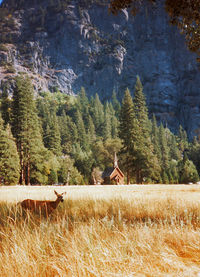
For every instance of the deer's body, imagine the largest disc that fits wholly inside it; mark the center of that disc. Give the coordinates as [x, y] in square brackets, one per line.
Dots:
[44, 206]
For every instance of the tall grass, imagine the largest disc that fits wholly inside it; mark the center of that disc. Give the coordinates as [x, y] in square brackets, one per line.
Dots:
[146, 236]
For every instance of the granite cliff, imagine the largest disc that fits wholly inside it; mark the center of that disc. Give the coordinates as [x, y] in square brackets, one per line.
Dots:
[66, 44]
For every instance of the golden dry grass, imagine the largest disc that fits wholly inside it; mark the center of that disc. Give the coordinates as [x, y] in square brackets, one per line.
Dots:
[102, 231]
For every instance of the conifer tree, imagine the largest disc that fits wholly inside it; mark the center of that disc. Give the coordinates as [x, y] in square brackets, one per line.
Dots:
[26, 129]
[187, 171]
[114, 121]
[115, 103]
[82, 137]
[126, 126]
[82, 100]
[54, 139]
[91, 131]
[68, 132]
[183, 140]
[145, 163]
[83, 106]
[98, 115]
[9, 158]
[155, 138]
[194, 153]
[5, 106]
[174, 151]
[164, 154]
[48, 107]
[107, 122]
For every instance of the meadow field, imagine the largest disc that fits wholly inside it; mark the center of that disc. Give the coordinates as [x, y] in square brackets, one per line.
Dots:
[104, 231]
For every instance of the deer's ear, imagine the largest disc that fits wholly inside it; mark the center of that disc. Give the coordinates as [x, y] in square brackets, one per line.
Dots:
[56, 192]
[64, 193]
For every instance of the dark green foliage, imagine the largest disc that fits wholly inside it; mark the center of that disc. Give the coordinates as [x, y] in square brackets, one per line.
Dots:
[134, 130]
[5, 106]
[187, 171]
[48, 107]
[126, 133]
[103, 152]
[107, 127]
[26, 129]
[164, 148]
[91, 131]
[145, 163]
[98, 115]
[68, 132]
[82, 138]
[116, 104]
[69, 137]
[194, 153]
[182, 139]
[9, 158]
[155, 138]
[52, 177]
[68, 174]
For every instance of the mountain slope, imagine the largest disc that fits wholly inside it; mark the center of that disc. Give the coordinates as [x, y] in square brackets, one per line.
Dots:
[65, 44]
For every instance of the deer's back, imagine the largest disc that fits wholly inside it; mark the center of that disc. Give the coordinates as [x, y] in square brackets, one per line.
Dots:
[37, 205]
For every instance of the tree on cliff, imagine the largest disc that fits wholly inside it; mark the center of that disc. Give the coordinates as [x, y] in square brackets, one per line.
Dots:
[183, 13]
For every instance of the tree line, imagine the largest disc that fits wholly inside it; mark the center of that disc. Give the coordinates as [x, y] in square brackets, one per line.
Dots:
[50, 138]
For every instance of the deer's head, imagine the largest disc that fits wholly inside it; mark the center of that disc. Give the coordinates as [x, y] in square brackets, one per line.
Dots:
[60, 196]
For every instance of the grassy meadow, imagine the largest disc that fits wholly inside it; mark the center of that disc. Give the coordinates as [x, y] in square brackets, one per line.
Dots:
[137, 230]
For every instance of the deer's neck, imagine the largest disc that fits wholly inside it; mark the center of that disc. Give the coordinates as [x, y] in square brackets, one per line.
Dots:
[56, 202]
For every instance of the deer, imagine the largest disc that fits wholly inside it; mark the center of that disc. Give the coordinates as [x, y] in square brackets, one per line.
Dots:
[45, 206]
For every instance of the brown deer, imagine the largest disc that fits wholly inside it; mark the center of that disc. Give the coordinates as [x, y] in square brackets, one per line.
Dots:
[42, 206]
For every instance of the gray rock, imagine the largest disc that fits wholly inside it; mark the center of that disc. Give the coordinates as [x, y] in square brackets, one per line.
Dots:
[84, 46]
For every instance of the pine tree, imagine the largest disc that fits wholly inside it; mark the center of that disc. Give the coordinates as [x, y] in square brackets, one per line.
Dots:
[26, 129]
[107, 122]
[145, 163]
[83, 106]
[54, 139]
[194, 153]
[82, 137]
[183, 140]
[9, 158]
[82, 100]
[173, 172]
[98, 115]
[174, 151]
[48, 106]
[187, 171]
[164, 153]
[68, 132]
[115, 103]
[126, 126]
[114, 122]
[91, 134]
[155, 138]
[6, 106]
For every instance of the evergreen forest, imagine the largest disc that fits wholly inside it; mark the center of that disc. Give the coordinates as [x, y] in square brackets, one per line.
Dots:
[53, 138]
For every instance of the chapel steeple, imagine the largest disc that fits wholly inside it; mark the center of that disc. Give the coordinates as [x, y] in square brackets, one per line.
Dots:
[115, 161]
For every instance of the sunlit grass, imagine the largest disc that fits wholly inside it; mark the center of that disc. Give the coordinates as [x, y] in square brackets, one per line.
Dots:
[146, 232]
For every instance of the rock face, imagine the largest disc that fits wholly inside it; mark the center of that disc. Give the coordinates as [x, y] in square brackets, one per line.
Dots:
[82, 45]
